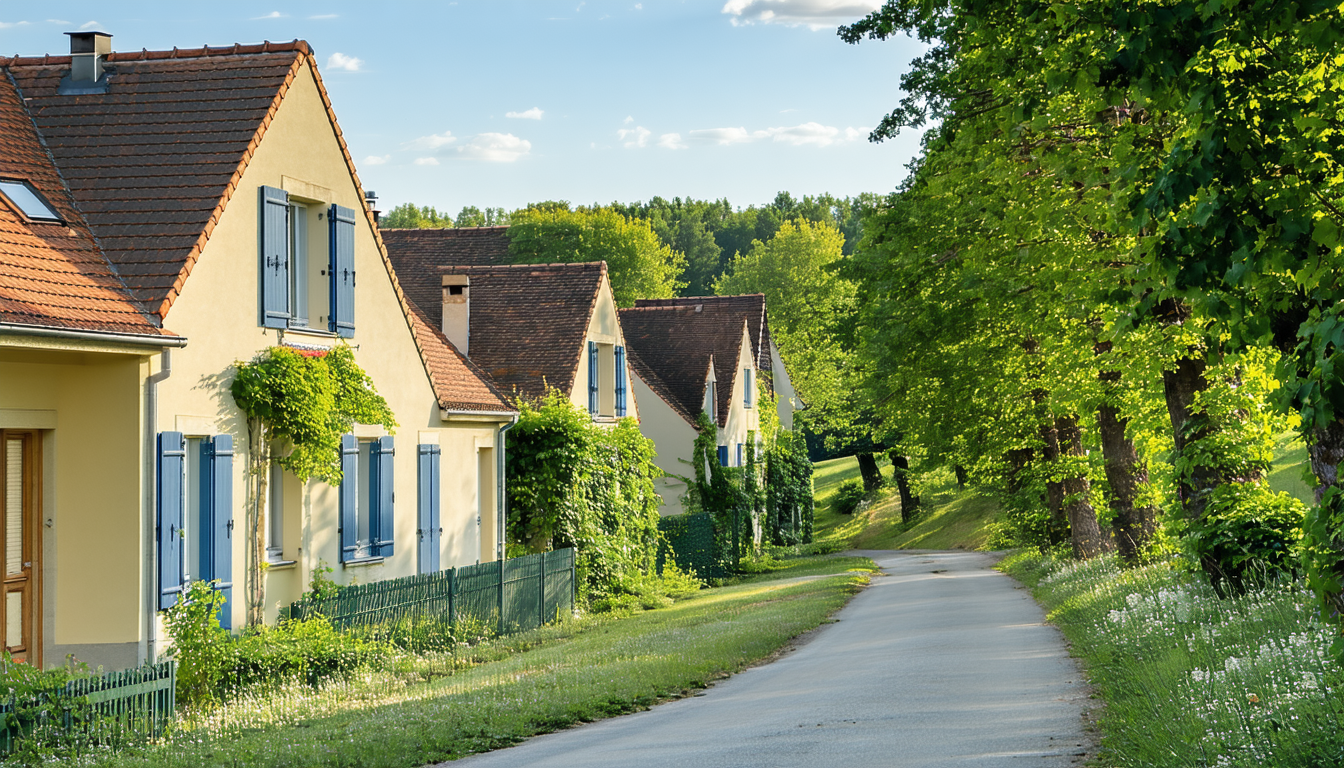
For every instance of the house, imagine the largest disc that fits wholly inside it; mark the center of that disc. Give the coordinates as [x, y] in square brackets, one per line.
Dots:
[751, 307]
[690, 359]
[530, 327]
[208, 191]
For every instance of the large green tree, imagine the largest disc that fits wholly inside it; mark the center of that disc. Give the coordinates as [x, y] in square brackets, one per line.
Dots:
[640, 265]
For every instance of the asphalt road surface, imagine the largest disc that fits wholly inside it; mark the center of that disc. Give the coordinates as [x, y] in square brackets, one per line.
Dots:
[941, 663]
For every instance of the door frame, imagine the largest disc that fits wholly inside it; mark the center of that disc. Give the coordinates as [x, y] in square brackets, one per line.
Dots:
[32, 538]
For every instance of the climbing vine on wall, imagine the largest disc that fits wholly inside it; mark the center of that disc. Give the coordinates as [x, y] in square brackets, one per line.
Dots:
[297, 406]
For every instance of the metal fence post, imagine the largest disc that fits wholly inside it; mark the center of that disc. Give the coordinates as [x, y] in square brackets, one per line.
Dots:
[501, 595]
[541, 595]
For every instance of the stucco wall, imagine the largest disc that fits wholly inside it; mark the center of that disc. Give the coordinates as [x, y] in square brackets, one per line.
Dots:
[786, 401]
[217, 310]
[604, 328]
[741, 419]
[673, 439]
[87, 406]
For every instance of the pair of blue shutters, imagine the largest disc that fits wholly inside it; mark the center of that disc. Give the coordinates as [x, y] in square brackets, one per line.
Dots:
[620, 382]
[381, 499]
[592, 377]
[276, 311]
[428, 531]
[723, 455]
[214, 528]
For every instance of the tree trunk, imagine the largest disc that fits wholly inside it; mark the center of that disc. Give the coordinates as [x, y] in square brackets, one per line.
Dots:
[259, 462]
[901, 470]
[1180, 386]
[1127, 473]
[1054, 489]
[872, 476]
[1018, 460]
[1327, 452]
[1088, 540]
[960, 472]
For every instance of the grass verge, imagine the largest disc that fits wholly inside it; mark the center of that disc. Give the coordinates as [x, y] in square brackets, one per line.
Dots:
[1189, 679]
[542, 681]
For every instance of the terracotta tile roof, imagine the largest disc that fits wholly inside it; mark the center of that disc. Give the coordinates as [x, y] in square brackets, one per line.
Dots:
[460, 246]
[53, 274]
[528, 321]
[750, 305]
[671, 347]
[153, 162]
[458, 383]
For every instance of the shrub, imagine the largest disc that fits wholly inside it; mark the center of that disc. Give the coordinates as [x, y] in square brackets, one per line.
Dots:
[847, 497]
[1248, 534]
[47, 722]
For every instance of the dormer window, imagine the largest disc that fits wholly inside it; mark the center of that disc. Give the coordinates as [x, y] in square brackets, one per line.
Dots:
[28, 201]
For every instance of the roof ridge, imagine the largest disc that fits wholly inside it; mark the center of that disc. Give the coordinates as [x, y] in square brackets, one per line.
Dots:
[144, 54]
[601, 266]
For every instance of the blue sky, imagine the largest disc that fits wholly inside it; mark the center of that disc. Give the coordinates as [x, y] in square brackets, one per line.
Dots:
[505, 103]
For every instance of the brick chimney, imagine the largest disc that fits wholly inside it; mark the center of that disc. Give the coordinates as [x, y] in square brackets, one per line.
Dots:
[457, 311]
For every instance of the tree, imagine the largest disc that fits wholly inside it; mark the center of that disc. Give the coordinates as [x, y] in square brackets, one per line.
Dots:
[411, 216]
[640, 266]
[471, 216]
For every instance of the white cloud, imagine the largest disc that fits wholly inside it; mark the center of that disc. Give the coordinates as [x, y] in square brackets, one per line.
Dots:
[88, 25]
[426, 161]
[807, 133]
[324, 16]
[341, 61]
[496, 147]
[62, 22]
[271, 15]
[671, 141]
[377, 159]
[814, 14]
[854, 134]
[8, 24]
[634, 137]
[727, 135]
[628, 119]
[534, 113]
[433, 142]
[639, 6]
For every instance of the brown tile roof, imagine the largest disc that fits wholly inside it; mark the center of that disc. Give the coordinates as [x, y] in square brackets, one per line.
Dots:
[153, 162]
[670, 347]
[750, 305]
[460, 246]
[528, 321]
[53, 274]
[458, 383]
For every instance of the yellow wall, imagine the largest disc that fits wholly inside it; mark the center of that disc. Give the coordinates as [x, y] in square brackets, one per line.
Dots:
[741, 419]
[217, 310]
[88, 402]
[673, 439]
[786, 397]
[604, 328]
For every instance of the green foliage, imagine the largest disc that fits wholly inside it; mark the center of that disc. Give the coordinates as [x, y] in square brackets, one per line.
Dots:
[214, 666]
[788, 487]
[320, 585]
[577, 484]
[307, 402]
[847, 497]
[1249, 534]
[639, 265]
[411, 216]
[47, 724]
[471, 216]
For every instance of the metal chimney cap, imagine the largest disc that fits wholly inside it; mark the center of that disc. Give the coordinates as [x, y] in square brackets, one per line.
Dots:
[90, 42]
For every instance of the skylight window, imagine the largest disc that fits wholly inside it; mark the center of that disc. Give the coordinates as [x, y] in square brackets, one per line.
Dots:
[22, 195]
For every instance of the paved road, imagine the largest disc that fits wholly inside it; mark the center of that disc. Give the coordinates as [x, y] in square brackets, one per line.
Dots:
[942, 663]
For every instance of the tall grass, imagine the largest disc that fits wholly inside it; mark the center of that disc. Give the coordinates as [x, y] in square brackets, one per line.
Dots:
[1190, 679]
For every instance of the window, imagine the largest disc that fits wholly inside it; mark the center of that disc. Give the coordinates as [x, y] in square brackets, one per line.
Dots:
[275, 519]
[620, 382]
[747, 381]
[297, 288]
[711, 402]
[195, 515]
[367, 498]
[723, 455]
[28, 200]
[740, 457]
[428, 532]
[593, 391]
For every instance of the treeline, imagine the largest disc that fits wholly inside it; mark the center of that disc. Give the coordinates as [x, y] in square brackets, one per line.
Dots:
[1115, 272]
[703, 236]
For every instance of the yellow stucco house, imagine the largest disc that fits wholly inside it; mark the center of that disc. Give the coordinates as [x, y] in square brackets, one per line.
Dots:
[530, 327]
[207, 191]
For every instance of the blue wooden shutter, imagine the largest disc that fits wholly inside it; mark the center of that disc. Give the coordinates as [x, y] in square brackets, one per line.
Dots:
[349, 497]
[746, 386]
[342, 271]
[592, 377]
[723, 455]
[620, 381]
[274, 220]
[739, 454]
[383, 495]
[172, 457]
[427, 508]
[221, 523]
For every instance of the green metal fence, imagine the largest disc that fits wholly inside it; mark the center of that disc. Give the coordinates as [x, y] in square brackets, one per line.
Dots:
[111, 709]
[524, 594]
[689, 542]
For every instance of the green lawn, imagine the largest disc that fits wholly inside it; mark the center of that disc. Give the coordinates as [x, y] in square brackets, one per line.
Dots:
[578, 671]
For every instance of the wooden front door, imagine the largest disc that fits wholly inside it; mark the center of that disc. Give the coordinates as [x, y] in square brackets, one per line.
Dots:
[19, 558]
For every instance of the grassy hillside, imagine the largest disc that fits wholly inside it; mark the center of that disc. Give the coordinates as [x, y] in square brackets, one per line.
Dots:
[959, 520]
